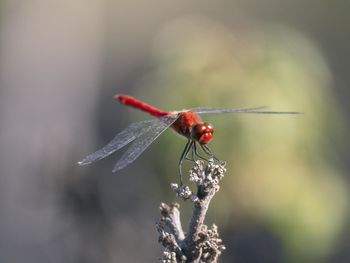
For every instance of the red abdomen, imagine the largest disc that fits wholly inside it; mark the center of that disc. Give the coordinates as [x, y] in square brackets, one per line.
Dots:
[131, 101]
[182, 125]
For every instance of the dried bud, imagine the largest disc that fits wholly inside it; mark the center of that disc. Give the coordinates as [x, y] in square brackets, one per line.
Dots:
[169, 257]
[182, 191]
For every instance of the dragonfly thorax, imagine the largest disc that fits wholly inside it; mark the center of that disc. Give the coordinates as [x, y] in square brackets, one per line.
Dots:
[202, 132]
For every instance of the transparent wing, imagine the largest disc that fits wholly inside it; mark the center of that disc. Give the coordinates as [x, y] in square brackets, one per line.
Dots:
[129, 134]
[257, 110]
[144, 141]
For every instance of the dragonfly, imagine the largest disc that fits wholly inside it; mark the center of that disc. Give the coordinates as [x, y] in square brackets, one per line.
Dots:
[187, 123]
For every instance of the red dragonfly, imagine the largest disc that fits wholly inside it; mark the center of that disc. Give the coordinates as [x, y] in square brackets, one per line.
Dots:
[185, 122]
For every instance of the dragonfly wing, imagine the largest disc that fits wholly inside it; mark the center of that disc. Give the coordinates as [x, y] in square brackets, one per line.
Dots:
[257, 110]
[129, 134]
[141, 144]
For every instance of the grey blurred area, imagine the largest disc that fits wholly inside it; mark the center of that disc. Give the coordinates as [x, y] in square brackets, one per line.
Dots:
[61, 62]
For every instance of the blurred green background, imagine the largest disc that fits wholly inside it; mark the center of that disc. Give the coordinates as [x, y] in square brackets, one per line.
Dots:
[285, 197]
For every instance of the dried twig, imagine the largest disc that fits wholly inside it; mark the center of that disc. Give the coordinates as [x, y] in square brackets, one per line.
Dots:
[200, 243]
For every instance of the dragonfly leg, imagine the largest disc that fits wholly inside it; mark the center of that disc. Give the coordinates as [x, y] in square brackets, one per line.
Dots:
[192, 154]
[183, 155]
[207, 150]
[197, 154]
[193, 147]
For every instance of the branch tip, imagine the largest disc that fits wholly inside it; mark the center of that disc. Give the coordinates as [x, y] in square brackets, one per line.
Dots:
[201, 243]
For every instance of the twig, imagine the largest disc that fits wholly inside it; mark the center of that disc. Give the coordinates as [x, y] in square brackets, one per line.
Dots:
[200, 243]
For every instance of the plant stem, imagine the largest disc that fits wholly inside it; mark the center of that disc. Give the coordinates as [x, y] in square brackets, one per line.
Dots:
[200, 243]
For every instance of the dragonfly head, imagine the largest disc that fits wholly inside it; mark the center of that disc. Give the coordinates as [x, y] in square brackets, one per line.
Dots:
[202, 132]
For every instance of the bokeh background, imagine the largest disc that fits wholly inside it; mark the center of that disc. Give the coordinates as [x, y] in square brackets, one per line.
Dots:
[286, 194]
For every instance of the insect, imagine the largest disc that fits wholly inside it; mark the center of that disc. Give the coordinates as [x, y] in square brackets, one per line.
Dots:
[185, 122]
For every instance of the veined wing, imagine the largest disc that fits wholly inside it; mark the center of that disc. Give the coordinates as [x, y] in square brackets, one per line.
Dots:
[141, 144]
[129, 134]
[257, 110]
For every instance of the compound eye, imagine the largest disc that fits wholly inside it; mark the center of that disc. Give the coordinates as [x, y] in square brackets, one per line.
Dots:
[198, 131]
[202, 132]
[200, 128]
[209, 127]
[205, 138]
